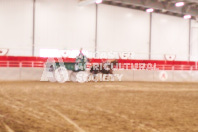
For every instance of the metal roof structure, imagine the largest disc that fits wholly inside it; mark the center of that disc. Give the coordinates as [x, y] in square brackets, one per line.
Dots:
[160, 6]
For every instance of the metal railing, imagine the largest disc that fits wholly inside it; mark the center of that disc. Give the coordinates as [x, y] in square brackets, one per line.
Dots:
[41, 64]
[22, 64]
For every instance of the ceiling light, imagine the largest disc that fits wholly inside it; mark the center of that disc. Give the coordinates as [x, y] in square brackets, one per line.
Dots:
[187, 16]
[179, 4]
[150, 10]
[98, 1]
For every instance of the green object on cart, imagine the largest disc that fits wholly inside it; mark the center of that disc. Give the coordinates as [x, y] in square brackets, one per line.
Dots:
[79, 65]
[68, 65]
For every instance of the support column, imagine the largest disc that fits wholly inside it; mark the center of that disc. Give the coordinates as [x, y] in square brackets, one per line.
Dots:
[150, 36]
[96, 31]
[189, 48]
[33, 29]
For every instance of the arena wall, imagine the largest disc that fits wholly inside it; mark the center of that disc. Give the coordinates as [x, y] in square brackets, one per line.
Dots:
[16, 26]
[38, 74]
[170, 35]
[122, 29]
[154, 76]
[63, 24]
[194, 41]
[32, 68]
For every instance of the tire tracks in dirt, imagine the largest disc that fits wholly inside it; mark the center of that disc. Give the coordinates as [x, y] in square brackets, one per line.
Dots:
[70, 106]
[140, 125]
[67, 119]
[29, 111]
[8, 129]
[37, 115]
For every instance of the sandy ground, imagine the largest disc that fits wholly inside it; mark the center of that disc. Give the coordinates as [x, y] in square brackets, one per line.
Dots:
[98, 107]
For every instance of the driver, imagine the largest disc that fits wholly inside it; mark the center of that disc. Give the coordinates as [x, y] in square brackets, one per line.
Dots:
[81, 61]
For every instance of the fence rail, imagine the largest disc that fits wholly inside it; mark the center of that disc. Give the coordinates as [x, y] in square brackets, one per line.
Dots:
[22, 64]
[41, 64]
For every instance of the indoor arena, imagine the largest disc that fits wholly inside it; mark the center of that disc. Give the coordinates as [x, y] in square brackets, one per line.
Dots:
[98, 65]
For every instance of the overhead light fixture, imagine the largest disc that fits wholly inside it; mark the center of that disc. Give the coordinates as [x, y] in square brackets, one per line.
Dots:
[150, 10]
[179, 4]
[98, 1]
[187, 16]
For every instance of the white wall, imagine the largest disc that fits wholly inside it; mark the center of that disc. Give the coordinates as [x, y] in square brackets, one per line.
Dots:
[194, 41]
[170, 35]
[62, 24]
[16, 26]
[122, 29]
[37, 74]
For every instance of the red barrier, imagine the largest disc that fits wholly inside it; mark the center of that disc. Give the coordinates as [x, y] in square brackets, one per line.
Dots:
[24, 61]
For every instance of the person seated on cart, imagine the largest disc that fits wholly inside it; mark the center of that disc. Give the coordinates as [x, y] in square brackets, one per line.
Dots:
[81, 61]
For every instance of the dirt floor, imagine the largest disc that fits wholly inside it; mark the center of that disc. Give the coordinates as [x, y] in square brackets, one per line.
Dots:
[98, 107]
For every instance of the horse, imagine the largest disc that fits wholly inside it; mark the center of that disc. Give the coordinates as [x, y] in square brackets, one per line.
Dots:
[103, 68]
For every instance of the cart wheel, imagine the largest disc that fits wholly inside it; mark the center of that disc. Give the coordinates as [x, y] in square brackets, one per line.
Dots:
[51, 76]
[61, 74]
[82, 77]
[73, 77]
[50, 72]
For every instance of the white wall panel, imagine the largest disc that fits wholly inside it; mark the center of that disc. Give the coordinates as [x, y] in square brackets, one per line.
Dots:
[194, 41]
[170, 35]
[37, 74]
[10, 74]
[122, 29]
[62, 24]
[16, 26]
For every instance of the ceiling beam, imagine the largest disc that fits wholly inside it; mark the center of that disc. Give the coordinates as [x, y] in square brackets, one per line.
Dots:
[163, 6]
